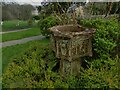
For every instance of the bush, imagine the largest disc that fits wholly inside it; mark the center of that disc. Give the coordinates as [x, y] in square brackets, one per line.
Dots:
[36, 17]
[30, 22]
[101, 74]
[29, 68]
[106, 37]
[34, 69]
[47, 23]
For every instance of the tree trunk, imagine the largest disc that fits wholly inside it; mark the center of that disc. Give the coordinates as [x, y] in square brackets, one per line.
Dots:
[109, 7]
[119, 14]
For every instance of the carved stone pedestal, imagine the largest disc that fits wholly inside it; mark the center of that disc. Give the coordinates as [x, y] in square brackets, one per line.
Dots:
[69, 68]
[70, 42]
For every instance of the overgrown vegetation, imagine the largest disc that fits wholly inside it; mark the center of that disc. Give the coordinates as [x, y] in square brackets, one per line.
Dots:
[8, 53]
[36, 17]
[46, 23]
[105, 41]
[35, 68]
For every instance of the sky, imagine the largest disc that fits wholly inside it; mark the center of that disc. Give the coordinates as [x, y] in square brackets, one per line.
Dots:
[38, 2]
[33, 2]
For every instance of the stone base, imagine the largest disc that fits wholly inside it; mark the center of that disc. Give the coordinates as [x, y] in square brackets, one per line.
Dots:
[70, 68]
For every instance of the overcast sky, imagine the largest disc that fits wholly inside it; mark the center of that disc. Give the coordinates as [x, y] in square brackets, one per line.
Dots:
[38, 2]
[33, 2]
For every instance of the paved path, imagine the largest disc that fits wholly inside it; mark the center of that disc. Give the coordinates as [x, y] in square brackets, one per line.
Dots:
[15, 31]
[24, 40]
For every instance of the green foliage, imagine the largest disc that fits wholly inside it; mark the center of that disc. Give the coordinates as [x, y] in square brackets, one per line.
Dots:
[34, 69]
[29, 68]
[36, 17]
[42, 16]
[7, 55]
[30, 22]
[106, 36]
[106, 76]
[46, 23]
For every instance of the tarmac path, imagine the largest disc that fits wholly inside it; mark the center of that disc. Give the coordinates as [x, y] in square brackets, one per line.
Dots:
[15, 31]
[21, 41]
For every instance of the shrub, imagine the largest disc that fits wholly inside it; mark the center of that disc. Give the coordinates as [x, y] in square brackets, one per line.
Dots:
[28, 68]
[36, 17]
[34, 69]
[101, 74]
[30, 22]
[106, 37]
[47, 23]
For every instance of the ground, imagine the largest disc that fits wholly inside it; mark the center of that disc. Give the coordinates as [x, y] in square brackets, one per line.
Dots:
[100, 72]
[12, 51]
[20, 33]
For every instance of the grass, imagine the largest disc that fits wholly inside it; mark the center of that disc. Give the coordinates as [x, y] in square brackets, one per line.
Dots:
[20, 35]
[10, 52]
[12, 25]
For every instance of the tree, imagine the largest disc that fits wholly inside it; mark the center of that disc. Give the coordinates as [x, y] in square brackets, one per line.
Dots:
[39, 8]
[12, 11]
[109, 7]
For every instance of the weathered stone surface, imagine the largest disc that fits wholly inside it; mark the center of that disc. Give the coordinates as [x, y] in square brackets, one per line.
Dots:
[70, 42]
[67, 68]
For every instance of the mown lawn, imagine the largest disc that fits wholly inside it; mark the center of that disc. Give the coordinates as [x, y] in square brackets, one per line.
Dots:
[20, 35]
[10, 52]
[13, 25]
